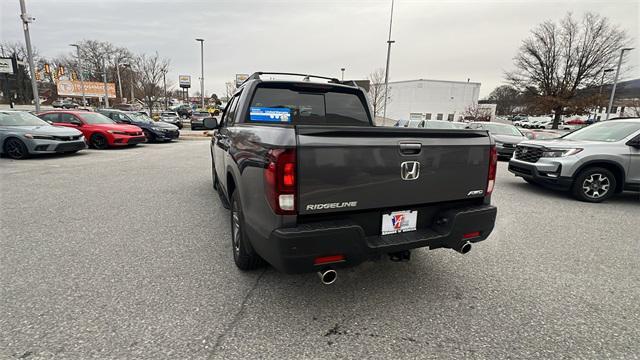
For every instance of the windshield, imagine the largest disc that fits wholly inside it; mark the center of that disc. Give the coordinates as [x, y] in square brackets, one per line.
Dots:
[168, 114]
[95, 118]
[439, 125]
[605, 131]
[20, 118]
[141, 118]
[317, 106]
[498, 129]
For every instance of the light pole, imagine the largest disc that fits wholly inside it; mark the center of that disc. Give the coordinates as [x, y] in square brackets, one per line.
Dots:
[615, 81]
[118, 75]
[26, 19]
[84, 99]
[126, 65]
[600, 91]
[386, 72]
[104, 80]
[164, 83]
[342, 69]
[201, 71]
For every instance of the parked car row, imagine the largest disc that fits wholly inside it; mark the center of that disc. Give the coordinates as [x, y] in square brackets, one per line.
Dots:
[68, 131]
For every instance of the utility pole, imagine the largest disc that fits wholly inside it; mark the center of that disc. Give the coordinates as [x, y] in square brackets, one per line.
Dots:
[615, 81]
[201, 71]
[26, 19]
[342, 69]
[79, 70]
[104, 79]
[600, 92]
[386, 72]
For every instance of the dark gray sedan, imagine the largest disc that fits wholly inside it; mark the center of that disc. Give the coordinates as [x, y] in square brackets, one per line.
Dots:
[506, 136]
[22, 134]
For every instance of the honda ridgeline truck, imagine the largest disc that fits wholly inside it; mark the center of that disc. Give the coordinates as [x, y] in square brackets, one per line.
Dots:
[314, 185]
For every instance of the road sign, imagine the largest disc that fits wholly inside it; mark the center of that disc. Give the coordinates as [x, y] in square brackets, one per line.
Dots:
[6, 66]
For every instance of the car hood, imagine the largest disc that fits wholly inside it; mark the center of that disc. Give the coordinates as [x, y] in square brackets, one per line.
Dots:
[563, 143]
[509, 139]
[118, 127]
[43, 130]
[164, 125]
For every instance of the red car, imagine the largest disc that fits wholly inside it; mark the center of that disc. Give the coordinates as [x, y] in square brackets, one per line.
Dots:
[99, 131]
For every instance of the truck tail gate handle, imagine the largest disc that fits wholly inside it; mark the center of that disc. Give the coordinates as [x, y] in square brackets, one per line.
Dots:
[410, 148]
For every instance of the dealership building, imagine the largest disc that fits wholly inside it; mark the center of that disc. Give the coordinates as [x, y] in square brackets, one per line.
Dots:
[431, 99]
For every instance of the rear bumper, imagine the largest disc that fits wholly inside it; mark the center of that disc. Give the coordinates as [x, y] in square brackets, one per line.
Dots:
[293, 250]
[543, 173]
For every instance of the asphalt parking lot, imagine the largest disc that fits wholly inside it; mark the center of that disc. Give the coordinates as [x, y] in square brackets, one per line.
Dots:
[125, 254]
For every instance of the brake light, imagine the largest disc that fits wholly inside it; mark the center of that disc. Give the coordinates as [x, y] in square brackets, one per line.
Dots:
[471, 235]
[493, 167]
[322, 260]
[280, 181]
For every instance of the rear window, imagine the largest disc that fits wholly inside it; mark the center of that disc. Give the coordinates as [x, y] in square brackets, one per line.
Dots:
[307, 107]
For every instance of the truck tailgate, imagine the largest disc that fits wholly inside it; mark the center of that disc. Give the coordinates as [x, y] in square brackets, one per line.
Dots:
[354, 168]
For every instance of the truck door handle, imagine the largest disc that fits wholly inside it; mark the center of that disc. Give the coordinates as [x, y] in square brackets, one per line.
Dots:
[410, 148]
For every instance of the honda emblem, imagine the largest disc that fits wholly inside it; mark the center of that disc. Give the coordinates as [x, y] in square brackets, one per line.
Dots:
[410, 170]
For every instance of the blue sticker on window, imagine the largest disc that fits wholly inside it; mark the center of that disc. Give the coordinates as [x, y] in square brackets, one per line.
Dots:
[266, 114]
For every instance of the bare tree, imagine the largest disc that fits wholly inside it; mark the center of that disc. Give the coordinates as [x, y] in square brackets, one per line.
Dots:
[476, 112]
[506, 98]
[229, 89]
[150, 69]
[560, 58]
[377, 91]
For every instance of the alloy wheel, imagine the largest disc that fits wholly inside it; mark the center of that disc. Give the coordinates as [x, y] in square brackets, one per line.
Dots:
[596, 185]
[15, 149]
[235, 231]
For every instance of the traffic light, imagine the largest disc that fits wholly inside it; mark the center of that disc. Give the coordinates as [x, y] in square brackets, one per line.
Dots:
[60, 70]
[74, 76]
[46, 69]
[38, 75]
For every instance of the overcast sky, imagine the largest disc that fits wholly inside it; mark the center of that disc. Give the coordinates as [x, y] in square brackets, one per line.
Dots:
[446, 40]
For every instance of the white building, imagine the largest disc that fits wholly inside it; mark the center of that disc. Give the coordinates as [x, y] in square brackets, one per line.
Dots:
[431, 99]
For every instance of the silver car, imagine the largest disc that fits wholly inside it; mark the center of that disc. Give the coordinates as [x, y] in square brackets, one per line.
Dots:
[593, 163]
[22, 134]
[506, 136]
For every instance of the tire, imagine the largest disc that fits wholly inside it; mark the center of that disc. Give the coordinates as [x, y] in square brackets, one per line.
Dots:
[150, 137]
[594, 185]
[99, 141]
[243, 254]
[15, 149]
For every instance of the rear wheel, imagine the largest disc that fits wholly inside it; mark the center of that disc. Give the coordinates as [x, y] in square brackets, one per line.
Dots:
[99, 142]
[149, 136]
[15, 149]
[594, 185]
[243, 254]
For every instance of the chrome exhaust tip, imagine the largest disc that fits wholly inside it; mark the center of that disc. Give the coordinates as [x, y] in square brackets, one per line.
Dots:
[464, 248]
[328, 276]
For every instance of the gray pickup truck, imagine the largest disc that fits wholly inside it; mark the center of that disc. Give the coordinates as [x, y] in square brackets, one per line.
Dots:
[313, 185]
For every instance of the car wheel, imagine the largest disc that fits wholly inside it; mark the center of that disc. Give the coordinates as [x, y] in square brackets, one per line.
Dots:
[243, 254]
[150, 137]
[99, 142]
[15, 149]
[594, 185]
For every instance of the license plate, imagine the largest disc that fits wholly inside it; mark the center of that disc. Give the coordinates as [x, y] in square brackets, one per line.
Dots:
[399, 221]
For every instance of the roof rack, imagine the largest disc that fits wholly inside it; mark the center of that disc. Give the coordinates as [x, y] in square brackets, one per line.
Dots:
[306, 77]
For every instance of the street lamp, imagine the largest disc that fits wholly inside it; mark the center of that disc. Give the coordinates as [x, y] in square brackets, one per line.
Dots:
[26, 19]
[386, 72]
[164, 83]
[600, 91]
[104, 80]
[342, 69]
[126, 65]
[79, 70]
[615, 82]
[201, 71]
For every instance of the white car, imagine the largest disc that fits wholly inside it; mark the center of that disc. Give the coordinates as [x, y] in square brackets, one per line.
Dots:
[545, 124]
[521, 123]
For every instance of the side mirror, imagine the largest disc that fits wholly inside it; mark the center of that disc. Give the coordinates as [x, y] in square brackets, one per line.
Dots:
[210, 123]
[635, 142]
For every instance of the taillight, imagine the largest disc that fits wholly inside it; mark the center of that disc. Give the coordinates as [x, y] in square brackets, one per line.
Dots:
[280, 181]
[493, 166]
